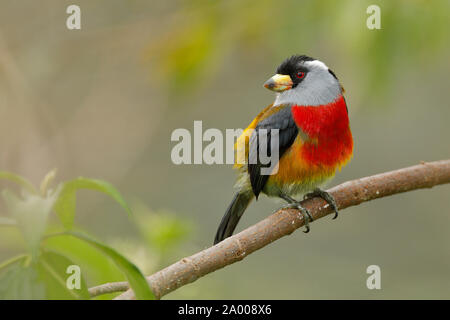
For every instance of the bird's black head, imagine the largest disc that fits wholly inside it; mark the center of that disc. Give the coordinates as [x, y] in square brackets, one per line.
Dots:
[293, 67]
[292, 63]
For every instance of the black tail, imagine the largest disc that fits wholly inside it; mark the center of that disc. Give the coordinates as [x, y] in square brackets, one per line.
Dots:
[232, 215]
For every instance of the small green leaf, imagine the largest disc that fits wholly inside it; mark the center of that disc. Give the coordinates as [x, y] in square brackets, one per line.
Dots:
[52, 269]
[18, 280]
[134, 276]
[31, 214]
[66, 204]
[19, 180]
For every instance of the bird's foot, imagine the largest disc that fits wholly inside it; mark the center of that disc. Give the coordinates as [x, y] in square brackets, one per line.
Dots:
[325, 196]
[305, 213]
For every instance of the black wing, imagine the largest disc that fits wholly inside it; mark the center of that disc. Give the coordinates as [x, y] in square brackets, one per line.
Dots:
[284, 122]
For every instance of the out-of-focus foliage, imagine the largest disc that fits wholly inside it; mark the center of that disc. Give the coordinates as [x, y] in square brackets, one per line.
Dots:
[201, 34]
[98, 102]
[162, 230]
[133, 274]
[65, 205]
[161, 238]
[42, 272]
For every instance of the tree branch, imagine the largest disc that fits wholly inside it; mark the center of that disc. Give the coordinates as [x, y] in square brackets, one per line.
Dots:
[108, 288]
[284, 222]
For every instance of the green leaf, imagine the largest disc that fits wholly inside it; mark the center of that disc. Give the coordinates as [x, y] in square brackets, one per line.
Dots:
[19, 180]
[31, 214]
[66, 204]
[44, 278]
[96, 267]
[134, 276]
[18, 280]
[53, 270]
[6, 264]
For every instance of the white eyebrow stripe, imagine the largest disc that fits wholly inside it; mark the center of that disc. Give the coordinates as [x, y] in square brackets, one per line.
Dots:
[316, 63]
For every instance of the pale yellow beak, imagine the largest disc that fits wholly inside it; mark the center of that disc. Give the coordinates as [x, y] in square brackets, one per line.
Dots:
[279, 83]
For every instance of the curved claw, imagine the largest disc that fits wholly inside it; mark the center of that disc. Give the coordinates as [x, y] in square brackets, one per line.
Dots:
[305, 213]
[325, 196]
[306, 216]
[307, 229]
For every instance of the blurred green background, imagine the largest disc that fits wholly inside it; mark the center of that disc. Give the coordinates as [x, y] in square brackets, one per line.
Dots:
[103, 101]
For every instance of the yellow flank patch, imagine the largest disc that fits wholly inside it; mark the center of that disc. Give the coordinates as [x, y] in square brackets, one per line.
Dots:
[241, 146]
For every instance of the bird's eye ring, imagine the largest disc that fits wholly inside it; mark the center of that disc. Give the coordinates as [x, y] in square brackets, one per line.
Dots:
[300, 75]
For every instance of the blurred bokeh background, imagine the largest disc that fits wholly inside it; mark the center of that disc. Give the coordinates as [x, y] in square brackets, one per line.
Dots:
[102, 102]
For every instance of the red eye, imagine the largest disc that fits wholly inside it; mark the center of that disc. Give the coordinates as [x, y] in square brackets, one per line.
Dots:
[300, 75]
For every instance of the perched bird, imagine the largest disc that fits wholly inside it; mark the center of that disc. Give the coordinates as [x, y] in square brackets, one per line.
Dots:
[314, 139]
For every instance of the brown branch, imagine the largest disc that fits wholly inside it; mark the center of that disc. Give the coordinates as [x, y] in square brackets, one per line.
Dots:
[108, 288]
[286, 221]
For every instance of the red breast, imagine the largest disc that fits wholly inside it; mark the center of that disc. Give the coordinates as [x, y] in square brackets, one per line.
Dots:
[327, 126]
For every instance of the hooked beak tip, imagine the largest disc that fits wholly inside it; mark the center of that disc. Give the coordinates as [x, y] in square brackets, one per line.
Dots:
[269, 84]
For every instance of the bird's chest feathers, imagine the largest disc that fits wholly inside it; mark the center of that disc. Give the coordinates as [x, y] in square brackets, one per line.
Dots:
[325, 137]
